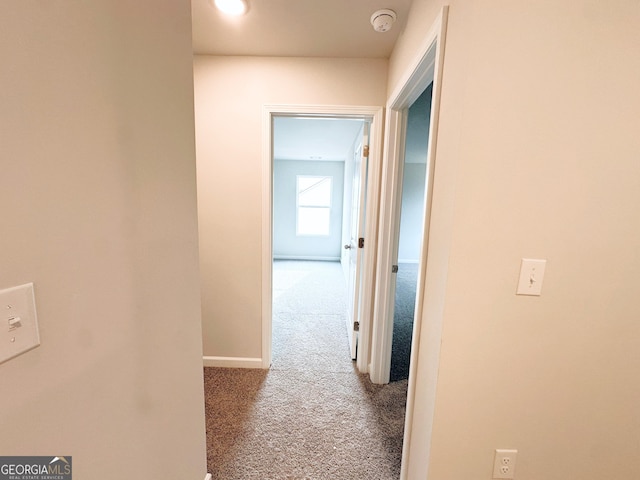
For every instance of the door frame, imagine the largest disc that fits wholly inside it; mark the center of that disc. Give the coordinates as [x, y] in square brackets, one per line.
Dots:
[375, 116]
[426, 70]
[426, 67]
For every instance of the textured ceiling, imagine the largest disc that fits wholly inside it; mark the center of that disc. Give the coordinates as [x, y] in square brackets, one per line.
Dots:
[297, 28]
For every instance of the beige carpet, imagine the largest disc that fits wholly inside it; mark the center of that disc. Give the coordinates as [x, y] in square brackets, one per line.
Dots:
[311, 416]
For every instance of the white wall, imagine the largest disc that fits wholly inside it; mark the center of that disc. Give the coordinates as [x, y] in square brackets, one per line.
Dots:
[537, 157]
[229, 94]
[99, 211]
[286, 243]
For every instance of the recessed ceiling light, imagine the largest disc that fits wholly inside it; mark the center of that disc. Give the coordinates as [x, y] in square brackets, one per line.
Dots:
[231, 7]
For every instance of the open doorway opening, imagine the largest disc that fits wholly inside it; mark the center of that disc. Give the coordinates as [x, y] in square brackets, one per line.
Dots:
[314, 210]
[317, 180]
[410, 232]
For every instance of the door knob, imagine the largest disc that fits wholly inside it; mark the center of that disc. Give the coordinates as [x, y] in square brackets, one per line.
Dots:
[347, 247]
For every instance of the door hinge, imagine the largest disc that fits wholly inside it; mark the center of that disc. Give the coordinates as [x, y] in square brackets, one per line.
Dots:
[365, 151]
[394, 268]
[361, 242]
[356, 326]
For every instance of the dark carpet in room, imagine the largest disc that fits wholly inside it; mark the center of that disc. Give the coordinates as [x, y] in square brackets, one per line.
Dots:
[311, 416]
[405, 302]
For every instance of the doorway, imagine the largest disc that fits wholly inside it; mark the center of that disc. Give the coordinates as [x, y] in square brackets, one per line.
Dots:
[317, 181]
[318, 211]
[425, 348]
[412, 191]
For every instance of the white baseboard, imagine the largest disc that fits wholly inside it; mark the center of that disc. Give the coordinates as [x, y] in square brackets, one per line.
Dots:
[306, 257]
[232, 362]
[401, 260]
[207, 476]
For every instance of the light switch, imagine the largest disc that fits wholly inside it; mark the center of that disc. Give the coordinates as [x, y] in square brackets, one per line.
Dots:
[14, 322]
[18, 321]
[531, 275]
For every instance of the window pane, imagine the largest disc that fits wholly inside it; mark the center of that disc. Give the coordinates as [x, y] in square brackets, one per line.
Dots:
[313, 221]
[314, 191]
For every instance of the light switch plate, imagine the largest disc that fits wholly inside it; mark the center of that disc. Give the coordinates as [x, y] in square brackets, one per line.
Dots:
[531, 275]
[18, 321]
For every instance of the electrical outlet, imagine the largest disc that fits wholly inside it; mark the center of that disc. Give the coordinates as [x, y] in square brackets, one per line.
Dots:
[504, 464]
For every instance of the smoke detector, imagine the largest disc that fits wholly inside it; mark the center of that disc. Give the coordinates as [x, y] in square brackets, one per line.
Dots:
[382, 20]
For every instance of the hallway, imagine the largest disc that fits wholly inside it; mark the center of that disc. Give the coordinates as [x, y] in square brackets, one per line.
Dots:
[311, 416]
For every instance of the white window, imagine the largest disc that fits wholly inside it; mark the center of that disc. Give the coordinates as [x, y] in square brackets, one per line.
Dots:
[314, 205]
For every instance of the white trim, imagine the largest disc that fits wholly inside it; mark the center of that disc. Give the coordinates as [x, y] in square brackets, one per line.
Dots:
[306, 257]
[208, 476]
[427, 65]
[267, 233]
[371, 241]
[390, 202]
[232, 362]
[437, 37]
[416, 73]
[425, 69]
[375, 115]
[402, 260]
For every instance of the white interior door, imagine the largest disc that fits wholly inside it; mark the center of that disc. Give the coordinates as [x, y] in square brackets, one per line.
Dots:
[355, 247]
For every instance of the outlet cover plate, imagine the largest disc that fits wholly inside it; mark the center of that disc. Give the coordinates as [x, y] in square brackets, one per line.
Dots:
[504, 465]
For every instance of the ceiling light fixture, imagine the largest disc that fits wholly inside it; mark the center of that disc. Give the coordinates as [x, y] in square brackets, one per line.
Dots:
[382, 20]
[231, 7]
